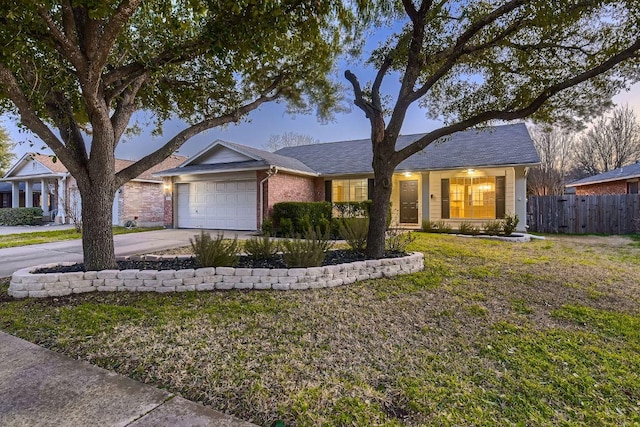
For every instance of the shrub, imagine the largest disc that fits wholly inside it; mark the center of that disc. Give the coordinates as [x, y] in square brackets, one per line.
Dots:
[267, 226]
[216, 252]
[353, 209]
[468, 228]
[428, 226]
[397, 240]
[307, 252]
[20, 216]
[301, 214]
[286, 227]
[492, 228]
[354, 231]
[510, 223]
[261, 248]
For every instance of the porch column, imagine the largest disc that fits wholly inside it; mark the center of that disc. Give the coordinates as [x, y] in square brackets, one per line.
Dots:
[44, 197]
[28, 194]
[61, 201]
[15, 194]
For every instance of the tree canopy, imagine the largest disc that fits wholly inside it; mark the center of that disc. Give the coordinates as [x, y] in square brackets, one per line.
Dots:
[476, 62]
[6, 151]
[83, 67]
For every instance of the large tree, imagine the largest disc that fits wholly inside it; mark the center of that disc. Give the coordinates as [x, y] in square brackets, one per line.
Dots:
[475, 62]
[611, 142]
[6, 151]
[84, 67]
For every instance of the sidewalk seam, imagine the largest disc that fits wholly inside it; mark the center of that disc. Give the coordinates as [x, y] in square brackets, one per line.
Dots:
[170, 397]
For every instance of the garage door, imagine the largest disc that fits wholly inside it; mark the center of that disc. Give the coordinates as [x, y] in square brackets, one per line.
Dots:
[225, 205]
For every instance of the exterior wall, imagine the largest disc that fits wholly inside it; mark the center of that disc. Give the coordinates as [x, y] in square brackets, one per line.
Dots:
[612, 187]
[284, 187]
[520, 197]
[435, 197]
[144, 200]
[168, 203]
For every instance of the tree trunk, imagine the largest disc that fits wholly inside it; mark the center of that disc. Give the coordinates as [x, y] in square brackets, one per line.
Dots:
[97, 234]
[379, 210]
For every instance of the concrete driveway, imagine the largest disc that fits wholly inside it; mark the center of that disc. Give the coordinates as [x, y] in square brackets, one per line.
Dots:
[12, 259]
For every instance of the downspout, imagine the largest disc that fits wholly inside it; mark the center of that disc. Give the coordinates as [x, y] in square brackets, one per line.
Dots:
[273, 170]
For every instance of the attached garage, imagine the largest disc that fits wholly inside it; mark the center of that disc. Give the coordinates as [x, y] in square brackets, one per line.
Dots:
[224, 205]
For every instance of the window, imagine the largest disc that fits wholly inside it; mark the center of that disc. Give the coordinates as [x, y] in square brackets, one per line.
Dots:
[632, 187]
[473, 198]
[349, 190]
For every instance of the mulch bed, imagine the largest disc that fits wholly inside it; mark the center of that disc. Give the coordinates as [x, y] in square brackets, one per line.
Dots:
[178, 263]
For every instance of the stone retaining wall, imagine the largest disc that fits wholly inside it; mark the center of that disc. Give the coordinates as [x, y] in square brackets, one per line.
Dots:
[26, 284]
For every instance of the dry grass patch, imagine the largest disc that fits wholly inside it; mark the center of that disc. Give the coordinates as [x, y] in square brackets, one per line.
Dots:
[490, 333]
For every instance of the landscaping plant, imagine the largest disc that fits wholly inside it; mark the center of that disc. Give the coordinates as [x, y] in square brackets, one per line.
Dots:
[510, 223]
[397, 240]
[468, 228]
[354, 231]
[308, 251]
[261, 248]
[492, 228]
[216, 252]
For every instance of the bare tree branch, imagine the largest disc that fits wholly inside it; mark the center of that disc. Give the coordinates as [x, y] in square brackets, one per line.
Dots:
[125, 109]
[176, 142]
[60, 40]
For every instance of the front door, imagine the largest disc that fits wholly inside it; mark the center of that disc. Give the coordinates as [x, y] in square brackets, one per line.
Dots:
[409, 202]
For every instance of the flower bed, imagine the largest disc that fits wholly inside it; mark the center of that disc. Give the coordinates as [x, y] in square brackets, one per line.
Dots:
[26, 284]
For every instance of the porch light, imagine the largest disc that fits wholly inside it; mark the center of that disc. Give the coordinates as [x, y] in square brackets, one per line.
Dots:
[407, 174]
[167, 187]
[470, 171]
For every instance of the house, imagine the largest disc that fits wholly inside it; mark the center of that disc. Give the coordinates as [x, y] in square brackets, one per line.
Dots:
[618, 181]
[23, 185]
[472, 176]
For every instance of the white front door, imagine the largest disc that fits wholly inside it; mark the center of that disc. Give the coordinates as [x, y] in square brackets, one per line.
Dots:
[224, 205]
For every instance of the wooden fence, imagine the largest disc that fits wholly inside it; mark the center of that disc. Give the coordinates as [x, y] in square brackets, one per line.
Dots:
[610, 214]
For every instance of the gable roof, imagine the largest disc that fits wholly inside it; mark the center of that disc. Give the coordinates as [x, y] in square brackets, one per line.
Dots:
[494, 146]
[625, 172]
[255, 159]
[57, 168]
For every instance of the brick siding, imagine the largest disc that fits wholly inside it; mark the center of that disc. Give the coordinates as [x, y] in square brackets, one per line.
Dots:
[144, 200]
[168, 201]
[284, 187]
[612, 187]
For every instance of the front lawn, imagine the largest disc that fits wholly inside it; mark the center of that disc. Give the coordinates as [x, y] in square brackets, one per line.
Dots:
[491, 333]
[24, 239]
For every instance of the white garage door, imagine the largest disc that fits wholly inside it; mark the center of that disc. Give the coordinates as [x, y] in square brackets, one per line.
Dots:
[224, 205]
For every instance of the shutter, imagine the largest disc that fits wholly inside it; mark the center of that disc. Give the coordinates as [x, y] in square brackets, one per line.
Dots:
[327, 190]
[444, 195]
[500, 196]
[370, 189]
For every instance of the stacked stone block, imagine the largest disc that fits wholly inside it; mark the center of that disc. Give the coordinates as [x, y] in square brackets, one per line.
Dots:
[26, 284]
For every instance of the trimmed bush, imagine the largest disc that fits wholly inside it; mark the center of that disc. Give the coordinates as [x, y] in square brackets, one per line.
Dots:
[353, 209]
[216, 252]
[303, 215]
[20, 216]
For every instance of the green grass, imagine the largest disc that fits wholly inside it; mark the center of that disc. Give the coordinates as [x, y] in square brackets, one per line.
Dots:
[24, 239]
[490, 333]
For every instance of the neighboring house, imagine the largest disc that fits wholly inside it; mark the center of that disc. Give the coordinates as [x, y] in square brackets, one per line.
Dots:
[23, 185]
[618, 181]
[472, 176]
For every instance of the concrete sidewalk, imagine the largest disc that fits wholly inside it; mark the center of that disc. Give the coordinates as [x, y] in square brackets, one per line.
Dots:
[41, 388]
[12, 259]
